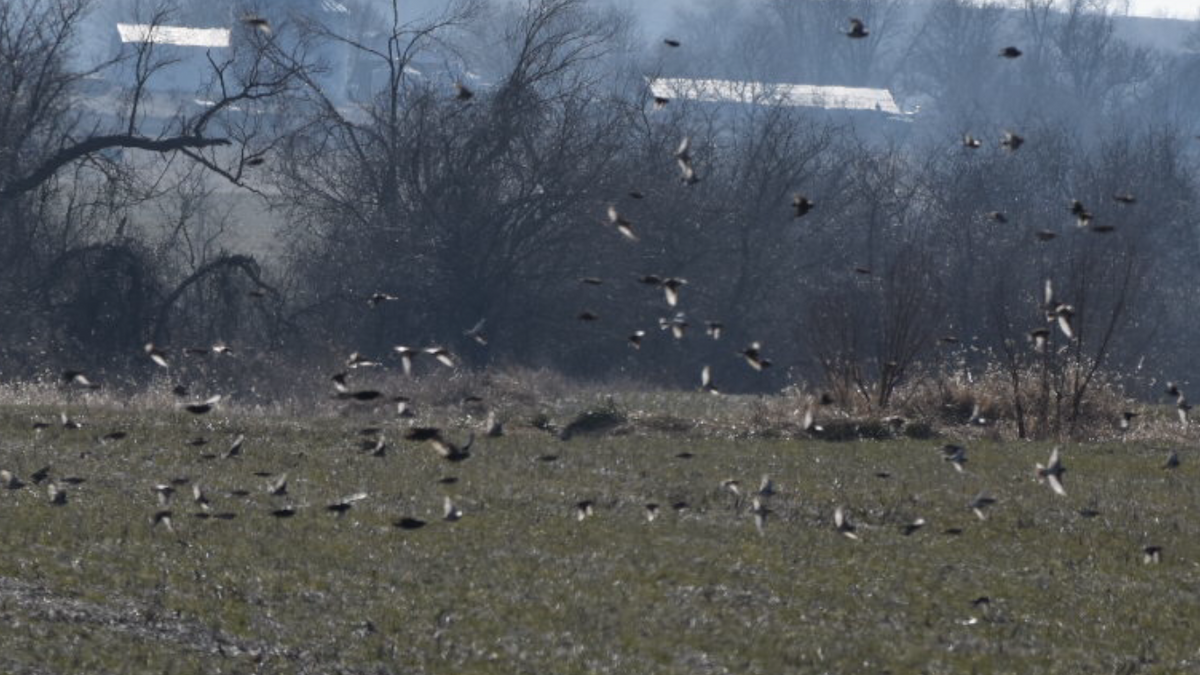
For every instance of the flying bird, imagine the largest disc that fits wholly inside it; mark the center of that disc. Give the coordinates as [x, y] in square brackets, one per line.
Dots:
[203, 407]
[706, 382]
[462, 92]
[377, 299]
[912, 527]
[441, 355]
[78, 379]
[670, 42]
[345, 503]
[1124, 198]
[857, 29]
[677, 325]
[635, 338]
[1053, 473]
[955, 454]
[713, 329]
[842, 524]
[683, 157]
[1172, 460]
[1012, 141]
[623, 225]
[476, 333]
[1011, 52]
[1152, 555]
[981, 502]
[970, 142]
[584, 510]
[760, 513]
[801, 205]
[753, 357]
[450, 511]
[156, 355]
[257, 22]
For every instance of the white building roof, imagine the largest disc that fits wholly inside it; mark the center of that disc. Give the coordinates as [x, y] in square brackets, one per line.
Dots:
[174, 35]
[764, 93]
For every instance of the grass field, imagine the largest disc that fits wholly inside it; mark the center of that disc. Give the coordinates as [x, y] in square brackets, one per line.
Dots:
[520, 585]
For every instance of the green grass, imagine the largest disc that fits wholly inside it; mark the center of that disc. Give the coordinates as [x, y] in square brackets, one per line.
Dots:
[520, 586]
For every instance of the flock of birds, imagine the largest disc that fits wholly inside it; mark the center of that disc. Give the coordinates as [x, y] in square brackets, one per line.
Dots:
[1057, 313]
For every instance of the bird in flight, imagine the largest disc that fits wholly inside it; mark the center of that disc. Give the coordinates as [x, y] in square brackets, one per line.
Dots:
[1053, 473]
[857, 29]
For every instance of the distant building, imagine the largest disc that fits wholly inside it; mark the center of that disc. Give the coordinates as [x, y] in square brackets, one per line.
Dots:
[763, 93]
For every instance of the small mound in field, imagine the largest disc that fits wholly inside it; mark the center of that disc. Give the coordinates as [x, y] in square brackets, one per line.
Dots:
[593, 422]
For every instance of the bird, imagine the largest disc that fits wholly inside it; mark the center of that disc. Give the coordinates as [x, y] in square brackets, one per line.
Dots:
[1053, 473]
[358, 360]
[450, 511]
[623, 225]
[981, 502]
[203, 407]
[222, 349]
[163, 491]
[683, 157]
[637, 194]
[1010, 52]
[40, 475]
[285, 512]
[1045, 235]
[1063, 313]
[476, 333]
[1172, 460]
[857, 29]
[408, 523]
[671, 286]
[199, 497]
[235, 448]
[660, 102]
[842, 523]
[997, 216]
[912, 527]
[766, 487]
[1124, 198]
[651, 512]
[1012, 141]
[345, 503]
[584, 509]
[256, 160]
[1152, 555]
[493, 427]
[1083, 217]
[760, 513]
[955, 454]
[68, 423]
[462, 92]
[591, 281]
[706, 381]
[162, 517]
[588, 315]
[447, 450]
[1126, 421]
[362, 395]
[671, 42]
[257, 22]
[9, 481]
[407, 354]
[635, 338]
[278, 487]
[441, 355]
[970, 142]
[58, 495]
[753, 356]
[713, 329]
[801, 205]
[376, 299]
[156, 355]
[1039, 337]
[78, 379]
[676, 324]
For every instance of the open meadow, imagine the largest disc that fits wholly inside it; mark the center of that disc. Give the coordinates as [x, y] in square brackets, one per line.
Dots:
[525, 582]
